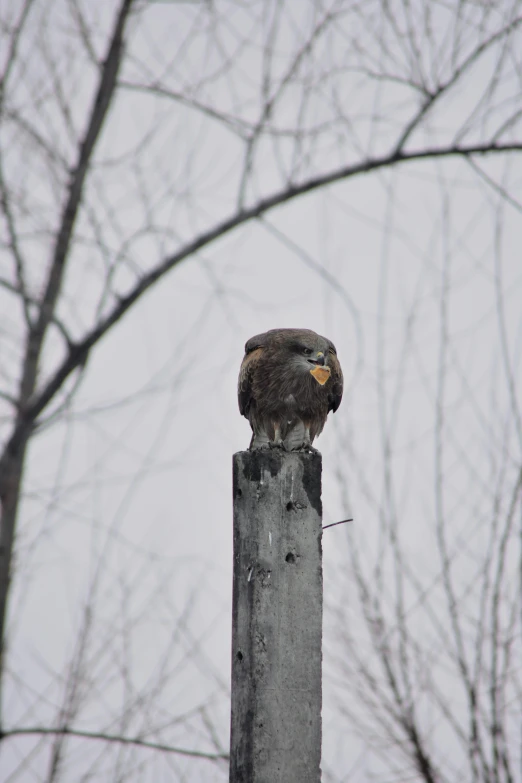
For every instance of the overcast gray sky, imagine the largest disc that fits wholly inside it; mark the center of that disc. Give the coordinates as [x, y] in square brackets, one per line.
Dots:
[414, 271]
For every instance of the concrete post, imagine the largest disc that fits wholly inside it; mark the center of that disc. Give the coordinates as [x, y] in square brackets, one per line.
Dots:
[277, 618]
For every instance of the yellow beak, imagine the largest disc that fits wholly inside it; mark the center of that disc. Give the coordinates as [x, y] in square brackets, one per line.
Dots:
[321, 374]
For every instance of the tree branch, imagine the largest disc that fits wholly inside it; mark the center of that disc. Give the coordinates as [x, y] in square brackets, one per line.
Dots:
[80, 351]
[98, 114]
[98, 735]
[12, 460]
[31, 300]
[14, 246]
[444, 88]
[13, 48]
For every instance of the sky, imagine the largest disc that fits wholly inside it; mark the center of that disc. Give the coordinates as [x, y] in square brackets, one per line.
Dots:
[124, 554]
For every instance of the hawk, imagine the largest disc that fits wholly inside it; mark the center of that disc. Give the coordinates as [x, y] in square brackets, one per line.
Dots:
[290, 379]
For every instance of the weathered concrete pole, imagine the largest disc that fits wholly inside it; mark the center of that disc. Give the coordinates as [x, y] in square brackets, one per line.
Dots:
[276, 618]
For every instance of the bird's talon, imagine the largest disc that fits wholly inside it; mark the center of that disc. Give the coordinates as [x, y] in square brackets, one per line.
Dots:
[307, 448]
[277, 444]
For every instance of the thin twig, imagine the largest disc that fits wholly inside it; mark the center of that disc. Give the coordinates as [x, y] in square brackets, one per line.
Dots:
[333, 524]
[98, 735]
[79, 352]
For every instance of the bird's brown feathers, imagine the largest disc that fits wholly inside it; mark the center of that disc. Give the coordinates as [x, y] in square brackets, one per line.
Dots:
[244, 387]
[288, 382]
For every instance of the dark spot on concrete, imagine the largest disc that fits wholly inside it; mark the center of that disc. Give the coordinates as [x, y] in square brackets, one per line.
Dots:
[240, 656]
[312, 467]
[291, 506]
[236, 492]
[264, 576]
[255, 463]
[290, 558]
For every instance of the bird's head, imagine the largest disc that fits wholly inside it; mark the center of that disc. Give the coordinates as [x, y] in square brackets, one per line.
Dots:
[309, 352]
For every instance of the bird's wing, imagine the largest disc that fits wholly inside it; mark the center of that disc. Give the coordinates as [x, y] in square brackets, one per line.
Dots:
[254, 351]
[258, 341]
[335, 391]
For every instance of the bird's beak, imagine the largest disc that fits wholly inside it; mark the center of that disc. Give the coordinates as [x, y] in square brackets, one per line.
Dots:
[321, 372]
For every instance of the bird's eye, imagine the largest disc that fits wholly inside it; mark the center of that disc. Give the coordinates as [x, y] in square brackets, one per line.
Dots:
[307, 351]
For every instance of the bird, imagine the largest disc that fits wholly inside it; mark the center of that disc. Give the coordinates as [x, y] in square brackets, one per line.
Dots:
[290, 379]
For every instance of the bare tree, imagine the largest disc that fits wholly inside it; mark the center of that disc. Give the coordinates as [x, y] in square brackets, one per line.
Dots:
[427, 617]
[136, 136]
